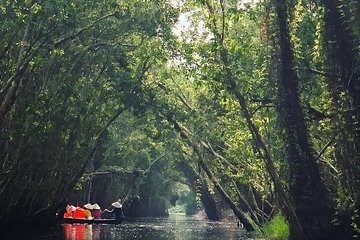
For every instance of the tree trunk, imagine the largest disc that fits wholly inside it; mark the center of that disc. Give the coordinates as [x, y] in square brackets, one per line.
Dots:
[306, 189]
[243, 201]
[210, 207]
[342, 57]
[259, 145]
[246, 221]
[246, 204]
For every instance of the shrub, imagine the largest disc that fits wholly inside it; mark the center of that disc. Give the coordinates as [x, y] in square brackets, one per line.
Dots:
[276, 228]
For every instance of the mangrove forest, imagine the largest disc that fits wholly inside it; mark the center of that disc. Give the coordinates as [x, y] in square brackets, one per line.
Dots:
[234, 109]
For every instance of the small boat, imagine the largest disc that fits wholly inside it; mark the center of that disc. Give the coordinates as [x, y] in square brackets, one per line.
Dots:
[93, 220]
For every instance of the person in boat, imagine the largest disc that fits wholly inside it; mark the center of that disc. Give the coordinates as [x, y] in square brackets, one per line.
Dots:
[70, 209]
[117, 209]
[88, 207]
[79, 213]
[96, 211]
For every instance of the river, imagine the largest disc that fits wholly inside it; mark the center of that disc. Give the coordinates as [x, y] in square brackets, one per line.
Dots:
[175, 227]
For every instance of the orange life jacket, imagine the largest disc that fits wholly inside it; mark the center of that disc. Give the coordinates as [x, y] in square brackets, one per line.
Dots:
[68, 214]
[79, 213]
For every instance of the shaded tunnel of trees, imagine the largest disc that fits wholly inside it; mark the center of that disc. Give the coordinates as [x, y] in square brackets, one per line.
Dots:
[216, 104]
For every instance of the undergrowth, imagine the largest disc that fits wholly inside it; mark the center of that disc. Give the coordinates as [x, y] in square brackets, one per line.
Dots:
[276, 229]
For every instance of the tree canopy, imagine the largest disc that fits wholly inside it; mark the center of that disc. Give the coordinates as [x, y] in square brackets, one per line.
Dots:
[254, 104]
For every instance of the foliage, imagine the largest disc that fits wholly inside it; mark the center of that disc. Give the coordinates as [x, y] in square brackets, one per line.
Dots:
[276, 228]
[66, 72]
[87, 86]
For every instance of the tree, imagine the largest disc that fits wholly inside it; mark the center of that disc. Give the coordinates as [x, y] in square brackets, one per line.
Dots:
[306, 188]
[68, 72]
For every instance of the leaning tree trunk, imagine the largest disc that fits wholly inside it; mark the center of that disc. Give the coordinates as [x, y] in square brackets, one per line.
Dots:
[306, 189]
[209, 203]
[243, 201]
[245, 220]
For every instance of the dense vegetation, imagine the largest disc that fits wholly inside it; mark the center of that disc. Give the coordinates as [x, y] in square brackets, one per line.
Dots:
[254, 105]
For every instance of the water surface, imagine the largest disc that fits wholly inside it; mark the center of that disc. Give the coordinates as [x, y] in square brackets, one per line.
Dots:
[176, 227]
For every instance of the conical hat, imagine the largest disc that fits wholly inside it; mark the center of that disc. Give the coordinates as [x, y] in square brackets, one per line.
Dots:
[72, 208]
[116, 204]
[88, 206]
[96, 206]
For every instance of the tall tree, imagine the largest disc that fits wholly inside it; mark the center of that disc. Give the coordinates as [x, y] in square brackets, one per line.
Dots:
[307, 191]
[342, 57]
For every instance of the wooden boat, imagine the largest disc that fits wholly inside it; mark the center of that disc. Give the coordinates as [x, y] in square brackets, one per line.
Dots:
[92, 221]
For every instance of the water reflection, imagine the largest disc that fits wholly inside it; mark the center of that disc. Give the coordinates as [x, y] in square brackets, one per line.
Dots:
[176, 227]
[81, 231]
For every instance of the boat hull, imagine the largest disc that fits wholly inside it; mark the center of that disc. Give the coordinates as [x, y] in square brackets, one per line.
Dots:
[92, 221]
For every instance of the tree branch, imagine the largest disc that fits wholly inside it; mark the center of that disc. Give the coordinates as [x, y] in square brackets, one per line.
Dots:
[80, 31]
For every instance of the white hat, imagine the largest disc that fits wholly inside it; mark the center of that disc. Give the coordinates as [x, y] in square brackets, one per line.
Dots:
[88, 206]
[116, 204]
[72, 208]
[96, 206]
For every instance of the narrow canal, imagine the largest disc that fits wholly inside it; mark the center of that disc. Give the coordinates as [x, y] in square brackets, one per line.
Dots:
[176, 227]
